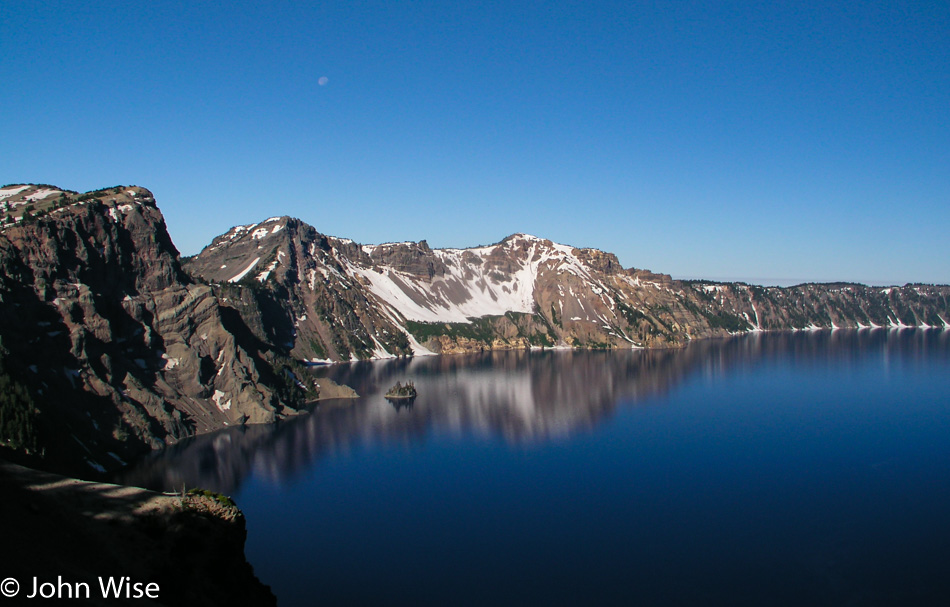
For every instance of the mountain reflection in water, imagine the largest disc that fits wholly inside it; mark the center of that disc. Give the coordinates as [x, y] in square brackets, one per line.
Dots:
[516, 396]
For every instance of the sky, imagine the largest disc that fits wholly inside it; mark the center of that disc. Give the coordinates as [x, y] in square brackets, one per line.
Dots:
[773, 142]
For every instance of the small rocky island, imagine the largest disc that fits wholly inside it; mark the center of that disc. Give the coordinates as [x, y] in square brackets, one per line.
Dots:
[402, 392]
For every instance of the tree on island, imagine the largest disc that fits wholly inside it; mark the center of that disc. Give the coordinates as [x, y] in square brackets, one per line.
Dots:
[401, 391]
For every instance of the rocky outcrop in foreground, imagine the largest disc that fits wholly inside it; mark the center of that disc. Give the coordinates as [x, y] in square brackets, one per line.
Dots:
[190, 547]
[116, 349]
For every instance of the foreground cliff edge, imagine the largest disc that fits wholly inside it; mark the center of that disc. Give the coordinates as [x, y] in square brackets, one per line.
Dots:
[182, 549]
[108, 350]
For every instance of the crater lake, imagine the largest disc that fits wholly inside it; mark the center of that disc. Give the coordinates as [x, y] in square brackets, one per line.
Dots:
[807, 468]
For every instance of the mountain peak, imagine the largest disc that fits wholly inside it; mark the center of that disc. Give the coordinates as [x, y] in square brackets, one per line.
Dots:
[27, 201]
[522, 236]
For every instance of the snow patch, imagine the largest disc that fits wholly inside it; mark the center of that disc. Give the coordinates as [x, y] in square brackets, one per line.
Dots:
[380, 353]
[758, 325]
[41, 194]
[245, 271]
[170, 363]
[218, 395]
[270, 268]
[468, 289]
[12, 191]
[417, 348]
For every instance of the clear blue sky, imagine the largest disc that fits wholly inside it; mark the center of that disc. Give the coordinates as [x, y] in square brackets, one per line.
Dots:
[760, 141]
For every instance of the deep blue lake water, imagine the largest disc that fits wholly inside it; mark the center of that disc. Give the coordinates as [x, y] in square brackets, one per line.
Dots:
[809, 468]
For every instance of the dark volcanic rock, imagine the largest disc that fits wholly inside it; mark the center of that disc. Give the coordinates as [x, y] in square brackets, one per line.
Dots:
[412, 258]
[120, 349]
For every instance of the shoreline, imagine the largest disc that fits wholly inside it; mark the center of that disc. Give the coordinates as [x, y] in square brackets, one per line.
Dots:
[323, 364]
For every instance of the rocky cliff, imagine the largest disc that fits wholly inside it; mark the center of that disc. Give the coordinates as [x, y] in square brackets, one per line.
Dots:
[111, 345]
[332, 299]
[294, 286]
[117, 349]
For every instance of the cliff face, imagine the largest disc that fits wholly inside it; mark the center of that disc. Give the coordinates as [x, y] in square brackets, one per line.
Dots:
[833, 305]
[110, 346]
[119, 348]
[294, 287]
[338, 300]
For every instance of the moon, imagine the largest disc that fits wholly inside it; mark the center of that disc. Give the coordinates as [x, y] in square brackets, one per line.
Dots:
[322, 80]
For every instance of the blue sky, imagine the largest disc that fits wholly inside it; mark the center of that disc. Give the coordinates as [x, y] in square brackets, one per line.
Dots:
[779, 141]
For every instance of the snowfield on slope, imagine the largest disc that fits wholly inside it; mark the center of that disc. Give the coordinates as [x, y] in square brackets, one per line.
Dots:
[471, 287]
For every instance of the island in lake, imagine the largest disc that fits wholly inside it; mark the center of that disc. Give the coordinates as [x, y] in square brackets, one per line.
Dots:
[402, 392]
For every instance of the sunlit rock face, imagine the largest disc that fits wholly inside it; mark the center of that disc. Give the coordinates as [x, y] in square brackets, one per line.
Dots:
[123, 346]
[330, 299]
[119, 348]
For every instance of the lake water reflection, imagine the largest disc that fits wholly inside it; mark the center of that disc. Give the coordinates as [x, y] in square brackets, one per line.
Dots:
[805, 468]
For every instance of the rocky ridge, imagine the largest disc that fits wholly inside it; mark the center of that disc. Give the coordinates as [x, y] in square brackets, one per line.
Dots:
[120, 350]
[335, 300]
[111, 344]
